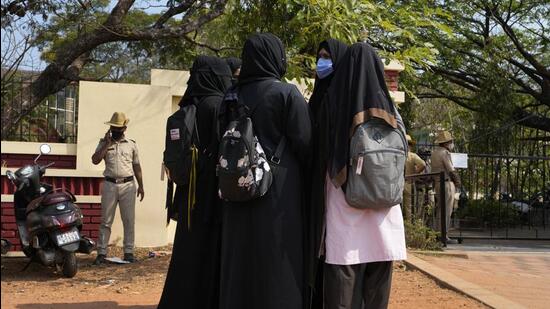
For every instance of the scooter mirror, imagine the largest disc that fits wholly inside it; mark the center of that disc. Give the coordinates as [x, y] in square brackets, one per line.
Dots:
[10, 175]
[45, 149]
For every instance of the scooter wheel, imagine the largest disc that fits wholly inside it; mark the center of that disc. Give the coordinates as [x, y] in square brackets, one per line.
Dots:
[70, 265]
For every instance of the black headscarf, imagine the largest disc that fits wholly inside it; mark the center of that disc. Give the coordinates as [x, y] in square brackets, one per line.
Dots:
[336, 49]
[357, 93]
[234, 63]
[210, 76]
[263, 58]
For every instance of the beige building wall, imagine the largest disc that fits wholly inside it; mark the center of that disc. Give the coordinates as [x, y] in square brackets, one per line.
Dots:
[148, 107]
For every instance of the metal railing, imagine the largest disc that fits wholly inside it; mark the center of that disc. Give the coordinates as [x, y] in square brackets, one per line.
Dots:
[502, 197]
[54, 120]
[426, 184]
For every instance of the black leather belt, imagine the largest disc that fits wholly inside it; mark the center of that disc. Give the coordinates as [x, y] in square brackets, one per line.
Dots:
[119, 180]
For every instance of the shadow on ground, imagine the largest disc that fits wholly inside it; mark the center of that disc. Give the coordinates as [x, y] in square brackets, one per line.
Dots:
[87, 305]
[12, 270]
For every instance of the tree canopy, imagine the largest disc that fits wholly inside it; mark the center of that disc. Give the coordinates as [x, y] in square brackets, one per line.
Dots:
[489, 57]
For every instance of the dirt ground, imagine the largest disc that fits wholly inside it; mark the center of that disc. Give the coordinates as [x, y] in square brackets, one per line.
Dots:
[138, 286]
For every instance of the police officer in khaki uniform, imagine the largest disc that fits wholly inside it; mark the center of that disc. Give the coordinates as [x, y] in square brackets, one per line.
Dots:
[441, 162]
[413, 165]
[121, 165]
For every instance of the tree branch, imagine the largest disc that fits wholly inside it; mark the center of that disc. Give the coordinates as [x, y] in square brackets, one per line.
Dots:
[73, 56]
[117, 14]
[461, 101]
[217, 50]
[173, 11]
[511, 34]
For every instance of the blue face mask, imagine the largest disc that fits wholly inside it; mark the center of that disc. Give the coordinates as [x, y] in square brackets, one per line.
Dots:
[324, 67]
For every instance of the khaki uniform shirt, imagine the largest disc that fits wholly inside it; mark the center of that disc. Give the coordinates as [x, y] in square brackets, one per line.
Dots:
[119, 158]
[441, 161]
[413, 163]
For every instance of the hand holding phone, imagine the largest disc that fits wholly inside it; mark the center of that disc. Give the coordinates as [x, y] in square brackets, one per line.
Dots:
[108, 139]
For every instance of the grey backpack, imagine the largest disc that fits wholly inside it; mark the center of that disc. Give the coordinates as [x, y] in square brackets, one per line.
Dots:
[376, 175]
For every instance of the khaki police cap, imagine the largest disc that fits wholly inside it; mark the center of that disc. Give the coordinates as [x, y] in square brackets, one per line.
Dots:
[118, 120]
[443, 137]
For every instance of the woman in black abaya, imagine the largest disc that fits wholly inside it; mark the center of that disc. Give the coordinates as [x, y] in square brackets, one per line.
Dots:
[262, 240]
[328, 56]
[192, 281]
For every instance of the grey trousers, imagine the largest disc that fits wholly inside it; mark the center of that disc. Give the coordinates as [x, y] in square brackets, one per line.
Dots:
[360, 286]
[123, 194]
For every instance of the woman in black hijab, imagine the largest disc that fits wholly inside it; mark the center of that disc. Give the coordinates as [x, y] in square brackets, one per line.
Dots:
[235, 66]
[193, 275]
[262, 240]
[331, 52]
[359, 92]
[360, 244]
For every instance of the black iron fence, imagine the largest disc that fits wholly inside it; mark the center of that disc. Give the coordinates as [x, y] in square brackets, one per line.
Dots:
[502, 197]
[54, 120]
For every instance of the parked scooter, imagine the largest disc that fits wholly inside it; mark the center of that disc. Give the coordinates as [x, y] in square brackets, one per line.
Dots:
[49, 222]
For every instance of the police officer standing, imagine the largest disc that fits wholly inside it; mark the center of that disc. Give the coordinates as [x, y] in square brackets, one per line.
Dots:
[413, 165]
[121, 165]
[441, 162]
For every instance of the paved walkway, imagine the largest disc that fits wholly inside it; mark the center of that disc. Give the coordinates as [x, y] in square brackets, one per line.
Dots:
[518, 272]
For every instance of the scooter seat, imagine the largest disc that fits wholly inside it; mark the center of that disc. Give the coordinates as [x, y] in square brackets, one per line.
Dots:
[51, 199]
[57, 197]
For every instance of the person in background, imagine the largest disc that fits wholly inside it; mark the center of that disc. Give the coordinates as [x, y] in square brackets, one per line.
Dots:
[441, 162]
[413, 165]
[193, 275]
[121, 166]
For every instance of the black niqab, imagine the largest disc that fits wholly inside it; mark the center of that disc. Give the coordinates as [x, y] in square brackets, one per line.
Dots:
[210, 76]
[358, 92]
[263, 58]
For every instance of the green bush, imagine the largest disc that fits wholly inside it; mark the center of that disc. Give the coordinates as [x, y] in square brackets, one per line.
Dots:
[419, 236]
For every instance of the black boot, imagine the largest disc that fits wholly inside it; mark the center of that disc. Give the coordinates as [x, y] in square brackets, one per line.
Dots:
[100, 259]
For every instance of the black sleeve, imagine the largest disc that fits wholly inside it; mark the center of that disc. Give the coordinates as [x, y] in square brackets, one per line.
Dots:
[298, 124]
[207, 118]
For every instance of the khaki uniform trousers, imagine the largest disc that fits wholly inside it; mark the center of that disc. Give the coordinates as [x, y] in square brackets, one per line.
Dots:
[449, 204]
[123, 194]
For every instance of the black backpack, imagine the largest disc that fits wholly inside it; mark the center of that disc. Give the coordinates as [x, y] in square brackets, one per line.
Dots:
[182, 140]
[243, 170]
[181, 156]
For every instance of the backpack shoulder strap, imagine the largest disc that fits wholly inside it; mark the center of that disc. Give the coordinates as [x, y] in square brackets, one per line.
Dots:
[191, 120]
[233, 95]
[276, 158]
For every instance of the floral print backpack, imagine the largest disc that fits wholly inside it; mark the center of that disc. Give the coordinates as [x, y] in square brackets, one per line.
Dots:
[243, 170]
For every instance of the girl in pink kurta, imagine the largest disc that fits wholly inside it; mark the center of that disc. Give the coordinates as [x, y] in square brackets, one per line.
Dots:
[360, 244]
[358, 236]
